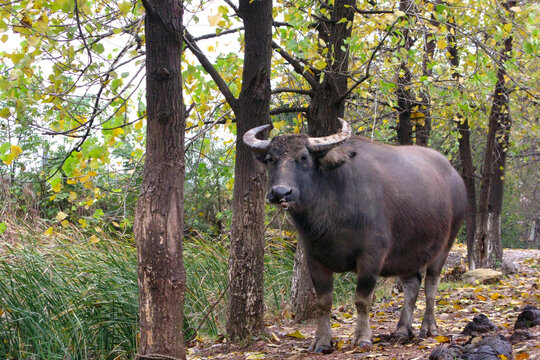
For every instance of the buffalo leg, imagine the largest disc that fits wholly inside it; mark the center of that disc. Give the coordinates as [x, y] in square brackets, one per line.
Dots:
[323, 283]
[411, 287]
[429, 325]
[364, 293]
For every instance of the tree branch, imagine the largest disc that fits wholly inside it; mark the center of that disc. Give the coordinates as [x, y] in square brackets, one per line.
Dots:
[288, 109]
[370, 61]
[297, 65]
[292, 90]
[211, 70]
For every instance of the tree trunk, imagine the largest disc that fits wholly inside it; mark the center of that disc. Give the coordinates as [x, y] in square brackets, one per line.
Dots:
[467, 173]
[423, 117]
[159, 217]
[488, 242]
[303, 295]
[403, 82]
[465, 153]
[245, 308]
[326, 107]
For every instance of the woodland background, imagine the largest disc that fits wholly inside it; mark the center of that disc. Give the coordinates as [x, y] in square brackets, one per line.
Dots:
[106, 107]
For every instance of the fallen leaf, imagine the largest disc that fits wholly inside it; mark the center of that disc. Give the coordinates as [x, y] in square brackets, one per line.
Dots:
[442, 339]
[297, 334]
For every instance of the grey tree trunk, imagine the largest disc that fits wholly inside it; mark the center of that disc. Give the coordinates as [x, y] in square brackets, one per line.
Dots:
[487, 241]
[245, 308]
[159, 219]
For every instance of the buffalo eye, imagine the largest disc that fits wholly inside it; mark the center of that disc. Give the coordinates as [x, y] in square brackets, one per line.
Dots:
[304, 157]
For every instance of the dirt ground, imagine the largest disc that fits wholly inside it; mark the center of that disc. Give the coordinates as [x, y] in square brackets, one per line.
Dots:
[457, 304]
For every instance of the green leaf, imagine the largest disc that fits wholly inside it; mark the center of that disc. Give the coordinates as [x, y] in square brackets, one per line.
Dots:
[98, 47]
[124, 8]
[3, 227]
[4, 148]
[5, 113]
[528, 48]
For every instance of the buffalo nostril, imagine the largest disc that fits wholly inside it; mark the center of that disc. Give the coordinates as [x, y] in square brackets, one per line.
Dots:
[277, 193]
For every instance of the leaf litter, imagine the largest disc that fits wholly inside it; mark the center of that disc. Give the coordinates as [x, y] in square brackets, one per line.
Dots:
[457, 306]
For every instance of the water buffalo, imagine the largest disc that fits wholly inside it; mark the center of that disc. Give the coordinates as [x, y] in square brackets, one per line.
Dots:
[371, 208]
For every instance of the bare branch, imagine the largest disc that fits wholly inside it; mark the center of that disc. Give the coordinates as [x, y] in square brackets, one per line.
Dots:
[292, 90]
[288, 109]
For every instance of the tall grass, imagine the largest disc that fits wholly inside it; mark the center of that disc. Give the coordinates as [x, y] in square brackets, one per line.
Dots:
[67, 298]
[67, 301]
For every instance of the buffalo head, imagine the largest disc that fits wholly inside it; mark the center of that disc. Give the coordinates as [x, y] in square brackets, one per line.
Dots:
[295, 160]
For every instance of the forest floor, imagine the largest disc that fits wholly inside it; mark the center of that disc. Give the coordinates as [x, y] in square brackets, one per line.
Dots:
[457, 304]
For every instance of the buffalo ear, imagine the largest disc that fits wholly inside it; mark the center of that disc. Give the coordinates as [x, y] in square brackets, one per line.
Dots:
[336, 157]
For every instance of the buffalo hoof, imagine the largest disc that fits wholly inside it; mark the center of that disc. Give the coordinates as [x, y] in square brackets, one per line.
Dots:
[428, 333]
[319, 346]
[364, 345]
[403, 333]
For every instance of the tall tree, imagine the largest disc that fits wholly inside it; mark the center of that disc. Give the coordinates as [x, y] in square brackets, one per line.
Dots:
[246, 257]
[404, 93]
[465, 150]
[159, 218]
[245, 307]
[488, 243]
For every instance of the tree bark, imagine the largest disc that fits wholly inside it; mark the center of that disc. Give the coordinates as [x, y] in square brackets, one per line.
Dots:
[326, 107]
[159, 217]
[423, 119]
[488, 242]
[245, 307]
[303, 295]
[465, 153]
[403, 81]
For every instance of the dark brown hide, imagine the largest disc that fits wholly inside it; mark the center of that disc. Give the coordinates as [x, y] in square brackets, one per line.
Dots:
[373, 209]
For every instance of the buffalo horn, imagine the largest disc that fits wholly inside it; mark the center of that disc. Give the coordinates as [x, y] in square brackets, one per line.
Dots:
[250, 139]
[328, 142]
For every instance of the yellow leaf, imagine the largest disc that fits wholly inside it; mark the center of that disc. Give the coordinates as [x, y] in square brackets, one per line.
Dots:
[507, 27]
[502, 357]
[61, 216]
[48, 232]
[93, 239]
[214, 19]
[276, 338]
[442, 339]
[297, 334]
[256, 355]
[441, 44]
[16, 150]
[57, 187]
[335, 325]
[52, 197]
[65, 223]
[118, 131]
[495, 296]
[139, 125]
[72, 196]
[83, 223]
[480, 297]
